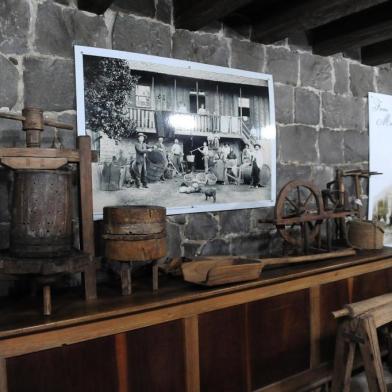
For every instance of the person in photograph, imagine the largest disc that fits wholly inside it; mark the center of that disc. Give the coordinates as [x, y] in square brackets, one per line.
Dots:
[257, 164]
[246, 154]
[204, 150]
[139, 167]
[225, 150]
[122, 161]
[162, 149]
[177, 154]
[202, 110]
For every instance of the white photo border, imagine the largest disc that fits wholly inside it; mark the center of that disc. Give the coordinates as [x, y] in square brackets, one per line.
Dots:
[189, 66]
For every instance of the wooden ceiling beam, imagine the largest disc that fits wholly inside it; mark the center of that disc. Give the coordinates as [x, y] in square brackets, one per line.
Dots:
[377, 54]
[198, 14]
[306, 16]
[95, 6]
[361, 29]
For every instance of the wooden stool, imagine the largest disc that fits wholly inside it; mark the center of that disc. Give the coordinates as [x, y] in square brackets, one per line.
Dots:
[358, 326]
[134, 234]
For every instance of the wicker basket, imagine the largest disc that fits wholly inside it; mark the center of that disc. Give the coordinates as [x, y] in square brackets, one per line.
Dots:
[365, 234]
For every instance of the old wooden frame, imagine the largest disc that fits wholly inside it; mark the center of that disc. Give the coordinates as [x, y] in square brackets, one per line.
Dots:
[25, 340]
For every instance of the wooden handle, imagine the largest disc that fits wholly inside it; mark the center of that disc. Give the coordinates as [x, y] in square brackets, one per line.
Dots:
[12, 116]
[56, 124]
[316, 257]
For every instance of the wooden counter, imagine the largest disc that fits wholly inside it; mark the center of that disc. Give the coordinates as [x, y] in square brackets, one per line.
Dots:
[276, 333]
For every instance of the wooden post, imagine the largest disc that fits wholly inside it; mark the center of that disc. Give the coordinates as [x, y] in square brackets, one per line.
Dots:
[344, 359]
[122, 361]
[47, 299]
[126, 278]
[315, 331]
[155, 273]
[191, 345]
[86, 207]
[371, 356]
[3, 375]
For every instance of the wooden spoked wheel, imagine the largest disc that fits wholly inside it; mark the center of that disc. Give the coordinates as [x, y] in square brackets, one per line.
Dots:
[299, 209]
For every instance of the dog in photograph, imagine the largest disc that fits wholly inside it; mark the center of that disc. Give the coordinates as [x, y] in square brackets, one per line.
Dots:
[210, 192]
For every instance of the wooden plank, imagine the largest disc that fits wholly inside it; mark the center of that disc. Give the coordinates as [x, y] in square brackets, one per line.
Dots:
[191, 348]
[86, 207]
[361, 29]
[315, 327]
[378, 53]
[122, 361]
[3, 375]
[247, 349]
[277, 283]
[18, 163]
[306, 16]
[197, 14]
[18, 345]
[70, 155]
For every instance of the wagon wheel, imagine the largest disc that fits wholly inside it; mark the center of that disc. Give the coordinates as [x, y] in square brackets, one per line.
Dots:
[299, 203]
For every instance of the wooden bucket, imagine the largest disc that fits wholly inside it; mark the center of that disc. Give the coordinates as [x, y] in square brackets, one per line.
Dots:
[365, 235]
[135, 233]
[41, 222]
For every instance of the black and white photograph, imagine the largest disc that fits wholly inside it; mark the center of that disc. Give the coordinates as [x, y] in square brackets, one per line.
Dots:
[185, 138]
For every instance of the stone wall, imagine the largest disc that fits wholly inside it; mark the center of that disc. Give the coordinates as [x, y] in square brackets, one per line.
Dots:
[321, 102]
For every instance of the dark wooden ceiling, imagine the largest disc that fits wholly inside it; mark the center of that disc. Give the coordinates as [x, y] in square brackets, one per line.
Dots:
[363, 27]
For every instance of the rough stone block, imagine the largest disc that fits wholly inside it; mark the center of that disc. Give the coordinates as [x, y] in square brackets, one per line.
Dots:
[331, 146]
[14, 26]
[282, 64]
[236, 221]
[212, 28]
[215, 247]
[173, 240]
[9, 77]
[321, 175]
[356, 146]
[204, 48]
[307, 107]
[201, 227]
[142, 36]
[361, 80]
[247, 55]
[4, 235]
[284, 103]
[68, 138]
[298, 144]
[239, 32]
[178, 219]
[286, 173]
[58, 28]
[384, 80]
[140, 7]
[316, 71]
[249, 245]
[164, 10]
[11, 134]
[342, 112]
[340, 66]
[5, 189]
[192, 249]
[49, 83]
[258, 214]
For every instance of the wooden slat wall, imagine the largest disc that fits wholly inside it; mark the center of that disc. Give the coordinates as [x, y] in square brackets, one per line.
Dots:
[239, 348]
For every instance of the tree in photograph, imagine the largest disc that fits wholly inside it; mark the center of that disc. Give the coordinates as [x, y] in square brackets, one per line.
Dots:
[109, 85]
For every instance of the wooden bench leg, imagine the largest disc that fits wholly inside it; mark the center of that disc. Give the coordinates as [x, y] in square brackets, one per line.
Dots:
[371, 356]
[344, 359]
[126, 278]
[155, 273]
[90, 282]
[3, 375]
[47, 299]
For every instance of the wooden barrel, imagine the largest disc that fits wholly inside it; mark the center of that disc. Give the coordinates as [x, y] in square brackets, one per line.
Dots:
[246, 171]
[135, 233]
[365, 235]
[155, 163]
[41, 221]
